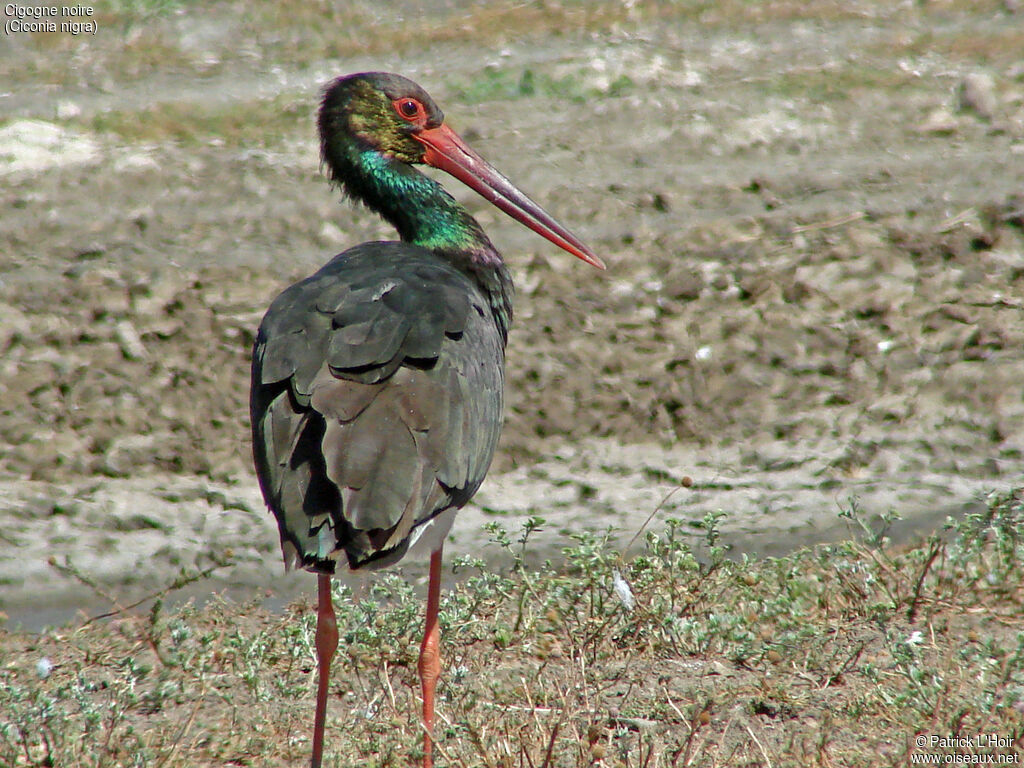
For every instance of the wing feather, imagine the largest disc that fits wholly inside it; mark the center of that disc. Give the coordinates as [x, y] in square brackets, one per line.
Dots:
[376, 404]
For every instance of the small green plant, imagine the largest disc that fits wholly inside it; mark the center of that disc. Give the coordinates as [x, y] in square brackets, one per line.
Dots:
[875, 535]
[495, 84]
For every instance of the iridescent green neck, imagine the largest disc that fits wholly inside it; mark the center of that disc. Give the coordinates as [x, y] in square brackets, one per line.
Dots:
[426, 215]
[421, 209]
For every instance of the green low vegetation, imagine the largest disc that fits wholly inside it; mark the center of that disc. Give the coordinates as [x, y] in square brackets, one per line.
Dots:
[837, 655]
[191, 124]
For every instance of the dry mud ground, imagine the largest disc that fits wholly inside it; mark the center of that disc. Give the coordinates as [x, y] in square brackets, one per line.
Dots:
[814, 295]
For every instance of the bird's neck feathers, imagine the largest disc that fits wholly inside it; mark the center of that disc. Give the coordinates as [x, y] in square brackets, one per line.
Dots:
[417, 206]
[424, 214]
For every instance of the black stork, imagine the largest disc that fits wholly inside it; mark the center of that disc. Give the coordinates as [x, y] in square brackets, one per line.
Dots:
[377, 382]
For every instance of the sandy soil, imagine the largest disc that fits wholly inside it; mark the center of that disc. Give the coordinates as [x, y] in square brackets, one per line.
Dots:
[814, 297]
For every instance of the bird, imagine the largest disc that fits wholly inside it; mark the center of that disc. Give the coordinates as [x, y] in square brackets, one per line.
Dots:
[377, 382]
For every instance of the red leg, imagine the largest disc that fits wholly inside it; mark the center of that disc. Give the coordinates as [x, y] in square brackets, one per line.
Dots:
[430, 657]
[326, 644]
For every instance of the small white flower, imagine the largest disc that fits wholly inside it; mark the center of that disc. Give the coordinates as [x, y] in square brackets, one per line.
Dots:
[916, 638]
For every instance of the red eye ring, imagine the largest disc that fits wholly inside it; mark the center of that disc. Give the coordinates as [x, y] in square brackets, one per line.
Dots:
[410, 109]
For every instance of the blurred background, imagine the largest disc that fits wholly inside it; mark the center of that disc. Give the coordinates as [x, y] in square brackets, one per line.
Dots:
[812, 213]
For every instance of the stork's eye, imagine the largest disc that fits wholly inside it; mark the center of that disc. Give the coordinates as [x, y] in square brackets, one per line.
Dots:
[410, 109]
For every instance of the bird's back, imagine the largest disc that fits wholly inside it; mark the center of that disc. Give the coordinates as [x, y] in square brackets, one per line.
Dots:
[376, 403]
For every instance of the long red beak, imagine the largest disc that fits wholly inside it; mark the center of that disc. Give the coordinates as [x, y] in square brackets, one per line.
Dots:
[448, 152]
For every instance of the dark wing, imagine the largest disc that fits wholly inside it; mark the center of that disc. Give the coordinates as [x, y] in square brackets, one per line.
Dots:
[376, 403]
